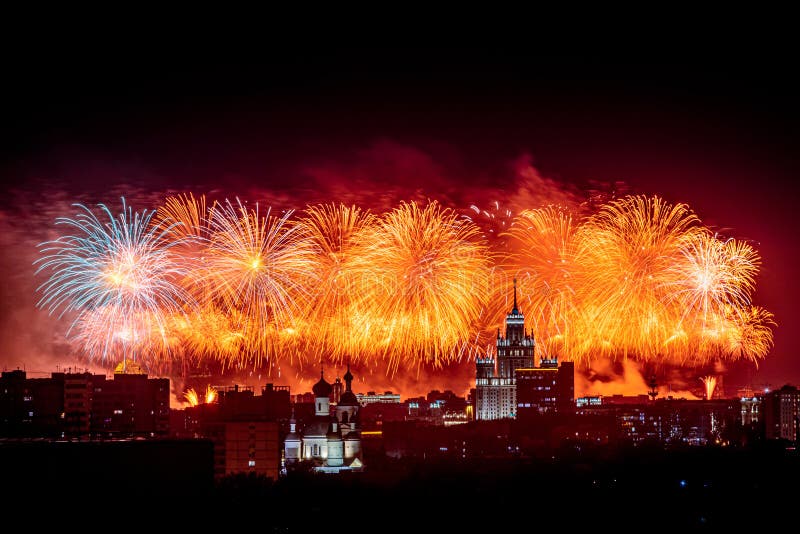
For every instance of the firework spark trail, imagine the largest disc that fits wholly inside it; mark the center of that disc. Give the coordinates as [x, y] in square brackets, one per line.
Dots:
[713, 275]
[261, 267]
[709, 385]
[189, 215]
[749, 336]
[423, 280]
[339, 237]
[191, 397]
[627, 251]
[211, 395]
[117, 275]
[544, 262]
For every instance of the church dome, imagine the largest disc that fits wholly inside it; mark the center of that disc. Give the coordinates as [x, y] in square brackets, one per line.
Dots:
[322, 388]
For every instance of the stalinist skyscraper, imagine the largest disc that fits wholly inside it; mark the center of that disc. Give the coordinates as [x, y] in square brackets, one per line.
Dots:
[495, 383]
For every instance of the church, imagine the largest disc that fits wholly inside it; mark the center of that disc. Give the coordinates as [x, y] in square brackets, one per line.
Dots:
[331, 441]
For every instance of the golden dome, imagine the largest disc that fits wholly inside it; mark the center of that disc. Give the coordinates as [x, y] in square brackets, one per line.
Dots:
[129, 367]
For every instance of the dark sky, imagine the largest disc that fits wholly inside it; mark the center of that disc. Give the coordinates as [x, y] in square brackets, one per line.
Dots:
[716, 127]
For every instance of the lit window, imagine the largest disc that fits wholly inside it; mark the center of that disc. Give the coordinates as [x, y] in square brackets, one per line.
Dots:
[118, 412]
[251, 463]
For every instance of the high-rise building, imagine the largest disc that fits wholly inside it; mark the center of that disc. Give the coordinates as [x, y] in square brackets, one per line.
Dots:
[537, 389]
[78, 394]
[244, 447]
[78, 404]
[546, 389]
[495, 383]
[782, 413]
[31, 407]
[244, 428]
[130, 405]
[566, 387]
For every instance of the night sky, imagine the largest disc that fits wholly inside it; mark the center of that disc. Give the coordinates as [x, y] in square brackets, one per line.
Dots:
[716, 128]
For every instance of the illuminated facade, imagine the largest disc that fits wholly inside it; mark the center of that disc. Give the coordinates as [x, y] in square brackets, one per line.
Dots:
[751, 408]
[371, 398]
[332, 442]
[495, 383]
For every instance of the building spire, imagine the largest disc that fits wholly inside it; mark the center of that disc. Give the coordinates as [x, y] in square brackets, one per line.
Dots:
[515, 310]
[348, 377]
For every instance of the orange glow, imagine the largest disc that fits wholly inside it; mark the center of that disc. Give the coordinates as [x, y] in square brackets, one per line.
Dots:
[211, 394]
[191, 398]
[641, 278]
[710, 384]
[419, 288]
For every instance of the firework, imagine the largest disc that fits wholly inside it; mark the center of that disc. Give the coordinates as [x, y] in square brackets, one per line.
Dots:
[211, 395]
[749, 334]
[628, 250]
[118, 277]
[545, 263]
[640, 278]
[259, 269]
[713, 275]
[493, 222]
[191, 397]
[189, 214]
[709, 384]
[422, 282]
[338, 235]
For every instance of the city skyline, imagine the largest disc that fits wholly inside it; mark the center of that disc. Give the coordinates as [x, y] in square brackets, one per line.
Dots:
[400, 288]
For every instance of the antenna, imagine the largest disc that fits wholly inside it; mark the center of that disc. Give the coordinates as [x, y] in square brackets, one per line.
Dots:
[515, 294]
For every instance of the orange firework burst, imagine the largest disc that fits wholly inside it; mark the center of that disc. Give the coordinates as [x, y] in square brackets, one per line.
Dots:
[422, 282]
[337, 234]
[544, 261]
[192, 398]
[261, 268]
[628, 250]
[712, 275]
[749, 334]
